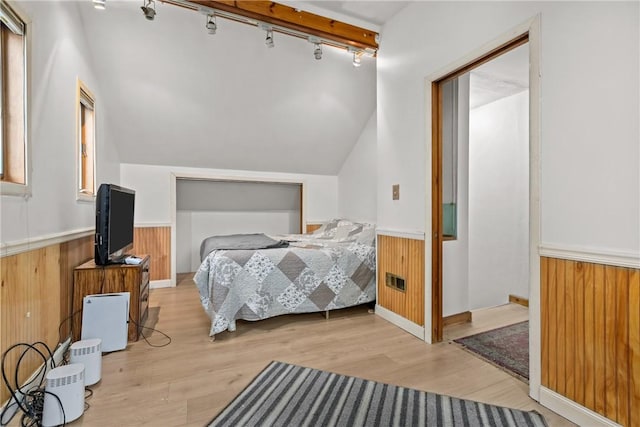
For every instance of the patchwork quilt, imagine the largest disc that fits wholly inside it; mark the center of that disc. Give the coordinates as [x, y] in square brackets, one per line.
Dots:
[330, 269]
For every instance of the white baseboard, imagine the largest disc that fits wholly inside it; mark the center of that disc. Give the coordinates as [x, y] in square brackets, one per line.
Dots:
[572, 411]
[33, 381]
[152, 224]
[400, 321]
[155, 284]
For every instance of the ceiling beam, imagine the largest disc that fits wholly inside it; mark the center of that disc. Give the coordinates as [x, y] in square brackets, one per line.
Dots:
[295, 19]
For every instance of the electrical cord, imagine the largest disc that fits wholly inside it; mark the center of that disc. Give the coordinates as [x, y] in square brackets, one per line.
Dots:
[31, 402]
[87, 395]
[69, 317]
[151, 329]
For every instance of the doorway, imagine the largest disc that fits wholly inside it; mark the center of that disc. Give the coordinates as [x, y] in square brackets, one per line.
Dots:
[528, 31]
[484, 188]
[485, 182]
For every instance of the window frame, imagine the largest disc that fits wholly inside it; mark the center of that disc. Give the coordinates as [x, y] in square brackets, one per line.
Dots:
[11, 12]
[85, 97]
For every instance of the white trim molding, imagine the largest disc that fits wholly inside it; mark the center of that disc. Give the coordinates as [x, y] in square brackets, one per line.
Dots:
[572, 411]
[156, 284]
[401, 322]
[26, 245]
[152, 224]
[416, 235]
[593, 255]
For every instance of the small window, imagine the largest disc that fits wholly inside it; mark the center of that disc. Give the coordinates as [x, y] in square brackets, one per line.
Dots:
[86, 142]
[13, 102]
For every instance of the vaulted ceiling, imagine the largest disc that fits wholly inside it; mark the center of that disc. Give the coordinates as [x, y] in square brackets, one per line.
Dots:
[175, 95]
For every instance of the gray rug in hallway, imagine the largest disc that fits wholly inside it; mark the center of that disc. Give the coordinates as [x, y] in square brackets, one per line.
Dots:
[290, 395]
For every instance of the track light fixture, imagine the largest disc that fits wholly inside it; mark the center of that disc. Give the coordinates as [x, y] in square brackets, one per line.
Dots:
[317, 52]
[149, 10]
[212, 27]
[269, 40]
[356, 59]
[100, 4]
[355, 47]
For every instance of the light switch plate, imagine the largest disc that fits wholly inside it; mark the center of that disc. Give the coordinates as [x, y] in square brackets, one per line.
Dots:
[395, 190]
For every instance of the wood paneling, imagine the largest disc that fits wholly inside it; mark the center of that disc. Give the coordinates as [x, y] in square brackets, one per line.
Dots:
[544, 326]
[72, 254]
[599, 372]
[312, 227]
[155, 241]
[35, 290]
[578, 310]
[634, 347]
[591, 336]
[404, 258]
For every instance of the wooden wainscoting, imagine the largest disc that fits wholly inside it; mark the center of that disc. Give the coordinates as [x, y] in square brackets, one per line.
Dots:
[35, 295]
[155, 241]
[313, 227]
[590, 317]
[404, 258]
[72, 254]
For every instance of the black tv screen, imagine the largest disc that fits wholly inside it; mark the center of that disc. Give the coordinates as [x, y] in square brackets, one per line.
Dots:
[114, 223]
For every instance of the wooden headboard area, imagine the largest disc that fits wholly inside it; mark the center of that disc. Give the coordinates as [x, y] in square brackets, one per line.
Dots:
[313, 226]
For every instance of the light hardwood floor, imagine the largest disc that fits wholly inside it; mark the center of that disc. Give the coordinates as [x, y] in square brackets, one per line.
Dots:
[188, 382]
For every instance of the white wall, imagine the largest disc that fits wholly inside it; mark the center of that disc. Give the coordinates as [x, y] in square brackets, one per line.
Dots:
[193, 226]
[207, 208]
[590, 179]
[184, 242]
[499, 201]
[58, 55]
[153, 187]
[226, 101]
[357, 180]
[455, 253]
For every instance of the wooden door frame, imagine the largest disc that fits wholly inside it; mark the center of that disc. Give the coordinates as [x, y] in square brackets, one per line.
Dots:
[528, 32]
[437, 325]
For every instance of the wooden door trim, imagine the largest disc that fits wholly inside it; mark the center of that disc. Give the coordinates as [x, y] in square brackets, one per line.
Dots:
[437, 323]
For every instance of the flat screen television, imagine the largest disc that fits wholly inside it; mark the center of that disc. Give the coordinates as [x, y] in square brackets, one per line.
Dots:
[114, 223]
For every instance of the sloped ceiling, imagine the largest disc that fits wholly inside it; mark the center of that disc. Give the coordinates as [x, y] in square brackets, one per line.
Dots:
[178, 96]
[377, 12]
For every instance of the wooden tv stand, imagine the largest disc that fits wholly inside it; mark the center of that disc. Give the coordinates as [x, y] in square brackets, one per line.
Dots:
[89, 279]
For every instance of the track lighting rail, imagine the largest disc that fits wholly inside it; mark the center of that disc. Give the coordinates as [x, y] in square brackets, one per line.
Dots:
[290, 21]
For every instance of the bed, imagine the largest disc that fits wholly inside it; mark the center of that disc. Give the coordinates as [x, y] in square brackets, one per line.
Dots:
[332, 268]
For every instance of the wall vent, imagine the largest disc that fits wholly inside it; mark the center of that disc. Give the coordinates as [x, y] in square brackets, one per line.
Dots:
[395, 282]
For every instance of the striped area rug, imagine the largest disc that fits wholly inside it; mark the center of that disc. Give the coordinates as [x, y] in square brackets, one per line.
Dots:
[290, 395]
